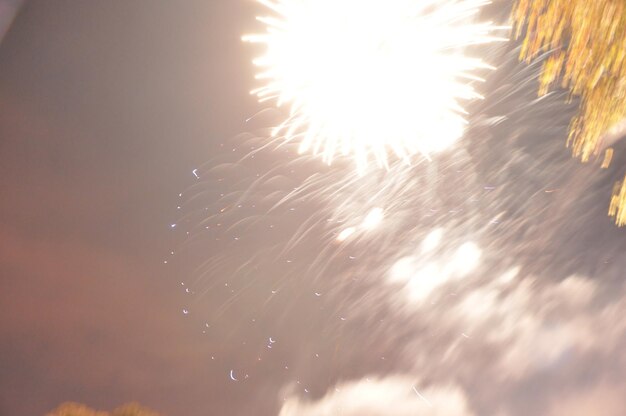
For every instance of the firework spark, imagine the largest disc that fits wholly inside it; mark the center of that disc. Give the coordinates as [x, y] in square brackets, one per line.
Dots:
[370, 79]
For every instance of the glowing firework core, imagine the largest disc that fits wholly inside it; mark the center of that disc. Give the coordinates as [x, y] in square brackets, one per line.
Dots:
[365, 78]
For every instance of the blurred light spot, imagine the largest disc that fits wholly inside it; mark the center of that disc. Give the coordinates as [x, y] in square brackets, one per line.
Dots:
[345, 234]
[373, 219]
[432, 240]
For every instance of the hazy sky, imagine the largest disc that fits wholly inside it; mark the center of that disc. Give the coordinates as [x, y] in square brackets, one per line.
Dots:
[106, 108]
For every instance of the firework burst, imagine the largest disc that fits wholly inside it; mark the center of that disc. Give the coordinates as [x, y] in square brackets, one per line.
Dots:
[370, 79]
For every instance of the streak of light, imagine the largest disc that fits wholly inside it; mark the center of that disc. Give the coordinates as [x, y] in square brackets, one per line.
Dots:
[422, 397]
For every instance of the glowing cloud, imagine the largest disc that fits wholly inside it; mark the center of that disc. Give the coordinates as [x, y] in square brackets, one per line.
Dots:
[396, 395]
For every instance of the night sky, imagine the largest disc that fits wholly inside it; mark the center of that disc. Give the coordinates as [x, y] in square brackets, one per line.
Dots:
[106, 110]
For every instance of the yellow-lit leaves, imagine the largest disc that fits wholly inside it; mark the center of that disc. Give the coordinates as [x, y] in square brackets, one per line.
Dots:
[608, 157]
[76, 409]
[617, 209]
[587, 40]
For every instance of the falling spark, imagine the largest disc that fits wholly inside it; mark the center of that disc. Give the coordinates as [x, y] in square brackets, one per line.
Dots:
[422, 397]
[370, 79]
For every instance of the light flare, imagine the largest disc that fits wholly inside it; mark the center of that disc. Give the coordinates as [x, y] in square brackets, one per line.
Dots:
[371, 78]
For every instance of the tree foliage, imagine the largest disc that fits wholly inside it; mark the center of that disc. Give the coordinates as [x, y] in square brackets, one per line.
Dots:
[617, 209]
[77, 409]
[585, 41]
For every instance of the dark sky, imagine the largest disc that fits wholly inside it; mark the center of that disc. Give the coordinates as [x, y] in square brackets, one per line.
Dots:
[106, 107]
[494, 285]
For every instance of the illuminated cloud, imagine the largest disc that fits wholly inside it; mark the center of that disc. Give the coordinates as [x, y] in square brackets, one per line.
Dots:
[457, 318]
[394, 395]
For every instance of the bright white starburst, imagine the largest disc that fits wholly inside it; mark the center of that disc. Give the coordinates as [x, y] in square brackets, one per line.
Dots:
[370, 78]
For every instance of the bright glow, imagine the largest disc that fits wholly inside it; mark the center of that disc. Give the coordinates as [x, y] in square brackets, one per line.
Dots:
[370, 78]
[466, 259]
[432, 240]
[373, 219]
[345, 234]
[422, 278]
